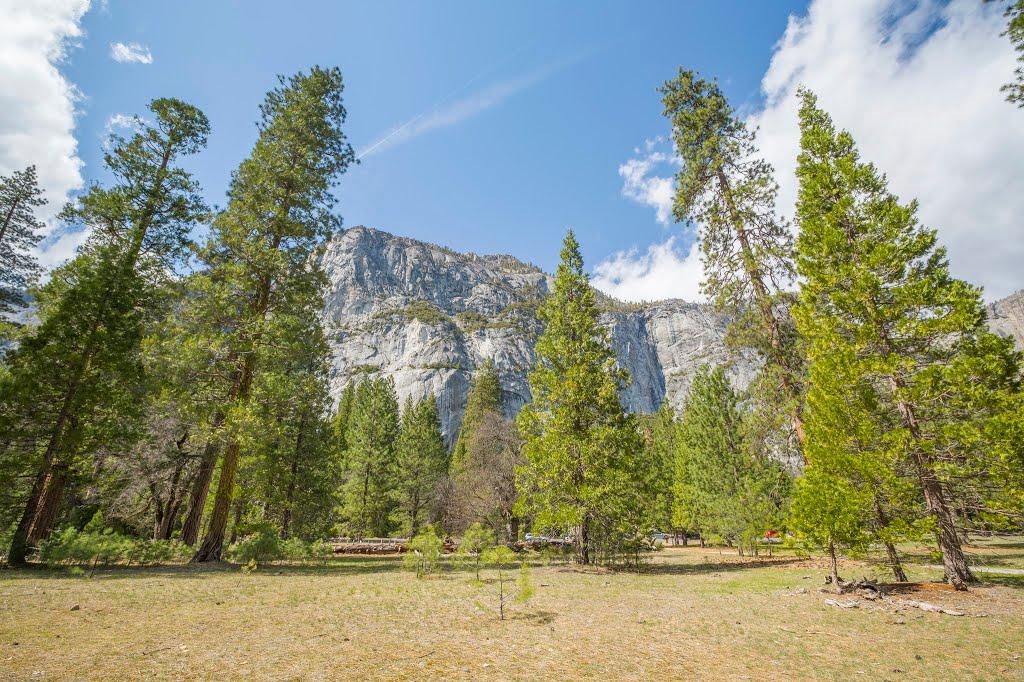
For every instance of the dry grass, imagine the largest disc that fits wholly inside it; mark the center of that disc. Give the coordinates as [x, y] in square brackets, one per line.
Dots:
[999, 551]
[694, 615]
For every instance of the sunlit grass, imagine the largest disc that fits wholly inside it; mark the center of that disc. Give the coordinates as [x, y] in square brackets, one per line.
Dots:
[694, 614]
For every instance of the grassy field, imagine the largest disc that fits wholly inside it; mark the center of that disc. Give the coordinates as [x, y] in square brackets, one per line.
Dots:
[692, 615]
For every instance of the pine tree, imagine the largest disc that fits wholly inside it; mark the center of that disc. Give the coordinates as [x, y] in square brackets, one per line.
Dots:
[581, 445]
[660, 432]
[294, 474]
[339, 425]
[75, 380]
[722, 488]
[421, 458]
[261, 246]
[484, 396]
[369, 492]
[1015, 31]
[830, 512]
[906, 375]
[20, 231]
[747, 249]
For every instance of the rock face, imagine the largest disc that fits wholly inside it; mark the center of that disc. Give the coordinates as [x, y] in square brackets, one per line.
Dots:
[428, 316]
[1006, 317]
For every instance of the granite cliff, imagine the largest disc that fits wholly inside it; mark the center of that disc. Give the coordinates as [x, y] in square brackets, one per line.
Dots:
[427, 316]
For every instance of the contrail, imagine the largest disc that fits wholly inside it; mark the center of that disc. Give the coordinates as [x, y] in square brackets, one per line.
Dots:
[437, 105]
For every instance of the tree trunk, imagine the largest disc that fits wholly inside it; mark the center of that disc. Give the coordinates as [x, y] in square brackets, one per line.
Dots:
[158, 506]
[583, 542]
[9, 217]
[894, 558]
[19, 549]
[286, 516]
[213, 545]
[49, 504]
[764, 303]
[200, 489]
[895, 564]
[957, 572]
[833, 567]
[238, 506]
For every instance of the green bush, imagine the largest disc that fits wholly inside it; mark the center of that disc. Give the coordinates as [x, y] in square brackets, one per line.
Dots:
[260, 545]
[294, 549]
[475, 542]
[71, 547]
[424, 555]
[503, 558]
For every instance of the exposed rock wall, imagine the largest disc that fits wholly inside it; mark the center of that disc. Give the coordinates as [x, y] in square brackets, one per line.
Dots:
[1006, 317]
[428, 316]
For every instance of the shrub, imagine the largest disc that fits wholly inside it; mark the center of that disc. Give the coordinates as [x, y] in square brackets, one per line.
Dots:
[424, 554]
[260, 545]
[72, 547]
[475, 541]
[503, 559]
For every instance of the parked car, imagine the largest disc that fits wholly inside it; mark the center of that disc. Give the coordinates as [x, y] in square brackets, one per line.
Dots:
[534, 538]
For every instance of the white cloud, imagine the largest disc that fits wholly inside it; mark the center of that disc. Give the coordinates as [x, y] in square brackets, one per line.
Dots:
[917, 84]
[37, 104]
[641, 186]
[924, 105]
[122, 122]
[664, 271]
[130, 52]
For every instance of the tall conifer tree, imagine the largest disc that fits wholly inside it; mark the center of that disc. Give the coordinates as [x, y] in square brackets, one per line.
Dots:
[261, 246]
[370, 489]
[75, 380]
[20, 231]
[581, 447]
[747, 249]
[905, 373]
[422, 459]
[484, 397]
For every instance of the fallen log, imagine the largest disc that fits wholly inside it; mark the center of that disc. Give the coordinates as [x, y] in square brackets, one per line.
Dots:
[924, 606]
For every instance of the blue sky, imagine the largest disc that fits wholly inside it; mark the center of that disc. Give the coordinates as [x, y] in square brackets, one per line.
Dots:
[497, 125]
[508, 178]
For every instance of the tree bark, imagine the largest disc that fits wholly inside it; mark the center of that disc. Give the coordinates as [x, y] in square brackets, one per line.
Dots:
[213, 544]
[197, 497]
[9, 217]
[286, 516]
[764, 303]
[583, 542]
[49, 503]
[957, 572]
[20, 547]
[895, 564]
[834, 567]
